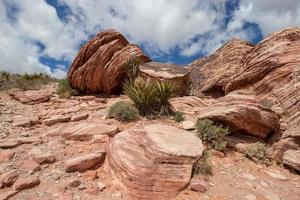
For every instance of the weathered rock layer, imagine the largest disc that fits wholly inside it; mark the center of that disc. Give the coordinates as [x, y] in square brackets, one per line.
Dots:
[154, 162]
[98, 67]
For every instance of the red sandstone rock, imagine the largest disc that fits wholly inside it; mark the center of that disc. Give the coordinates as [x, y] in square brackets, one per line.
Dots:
[243, 114]
[154, 162]
[98, 67]
[6, 155]
[8, 194]
[199, 185]
[178, 75]
[26, 183]
[84, 130]
[32, 96]
[210, 75]
[56, 119]
[8, 178]
[291, 158]
[44, 158]
[84, 162]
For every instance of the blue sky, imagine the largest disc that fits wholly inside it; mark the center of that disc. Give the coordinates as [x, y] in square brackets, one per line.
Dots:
[45, 35]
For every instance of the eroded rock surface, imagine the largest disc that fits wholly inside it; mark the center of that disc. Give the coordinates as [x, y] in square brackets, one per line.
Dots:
[154, 162]
[243, 114]
[176, 74]
[32, 96]
[98, 67]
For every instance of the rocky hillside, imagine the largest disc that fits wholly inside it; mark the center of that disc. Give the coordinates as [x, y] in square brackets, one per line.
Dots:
[269, 70]
[220, 143]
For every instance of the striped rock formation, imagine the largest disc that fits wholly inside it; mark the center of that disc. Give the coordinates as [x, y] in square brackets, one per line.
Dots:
[98, 67]
[154, 162]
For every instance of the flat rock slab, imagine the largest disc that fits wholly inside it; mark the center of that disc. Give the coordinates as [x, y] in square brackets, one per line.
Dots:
[26, 183]
[84, 162]
[291, 158]
[32, 96]
[84, 130]
[154, 162]
[8, 178]
[9, 144]
[56, 119]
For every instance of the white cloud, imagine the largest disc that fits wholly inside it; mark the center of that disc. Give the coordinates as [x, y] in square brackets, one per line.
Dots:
[189, 26]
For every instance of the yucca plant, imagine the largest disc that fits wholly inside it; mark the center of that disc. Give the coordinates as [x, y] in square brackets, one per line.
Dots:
[132, 67]
[143, 94]
[165, 91]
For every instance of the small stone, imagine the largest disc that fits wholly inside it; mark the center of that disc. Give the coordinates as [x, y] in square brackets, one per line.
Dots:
[276, 174]
[187, 125]
[83, 162]
[8, 178]
[99, 139]
[81, 187]
[74, 183]
[30, 166]
[26, 183]
[199, 185]
[101, 186]
[9, 144]
[90, 175]
[79, 117]
[44, 158]
[6, 155]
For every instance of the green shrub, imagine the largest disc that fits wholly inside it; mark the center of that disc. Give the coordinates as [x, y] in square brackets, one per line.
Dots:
[257, 152]
[123, 111]
[165, 91]
[267, 103]
[64, 90]
[203, 166]
[25, 81]
[212, 133]
[143, 94]
[132, 67]
[151, 98]
[178, 116]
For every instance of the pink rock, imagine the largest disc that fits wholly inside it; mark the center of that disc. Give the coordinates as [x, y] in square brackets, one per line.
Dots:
[84, 162]
[9, 144]
[199, 185]
[26, 183]
[32, 96]
[100, 139]
[56, 119]
[79, 117]
[30, 166]
[8, 194]
[154, 162]
[6, 155]
[8, 178]
[44, 158]
[99, 65]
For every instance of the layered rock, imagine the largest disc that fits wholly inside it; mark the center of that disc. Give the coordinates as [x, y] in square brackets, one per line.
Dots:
[176, 74]
[154, 162]
[98, 67]
[243, 114]
[32, 96]
[210, 75]
[291, 158]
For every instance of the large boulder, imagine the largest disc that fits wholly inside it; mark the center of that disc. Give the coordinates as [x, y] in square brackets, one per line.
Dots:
[176, 74]
[98, 67]
[243, 114]
[209, 75]
[154, 162]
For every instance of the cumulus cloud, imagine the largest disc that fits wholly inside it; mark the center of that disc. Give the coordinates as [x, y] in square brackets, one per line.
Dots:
[34, 29]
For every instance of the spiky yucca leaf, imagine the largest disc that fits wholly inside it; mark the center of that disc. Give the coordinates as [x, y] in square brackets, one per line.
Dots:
[132, 67]
[165, 91]
[143, 94]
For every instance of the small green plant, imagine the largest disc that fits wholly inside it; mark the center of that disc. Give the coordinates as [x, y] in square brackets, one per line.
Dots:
[151, 98]
[143, 94]
[123, 111]
[203, 166]
[165, 91]
[131, 67]
[257, 152]
[178, 116]
[64, 90]
[267, 103]
[212, 133]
